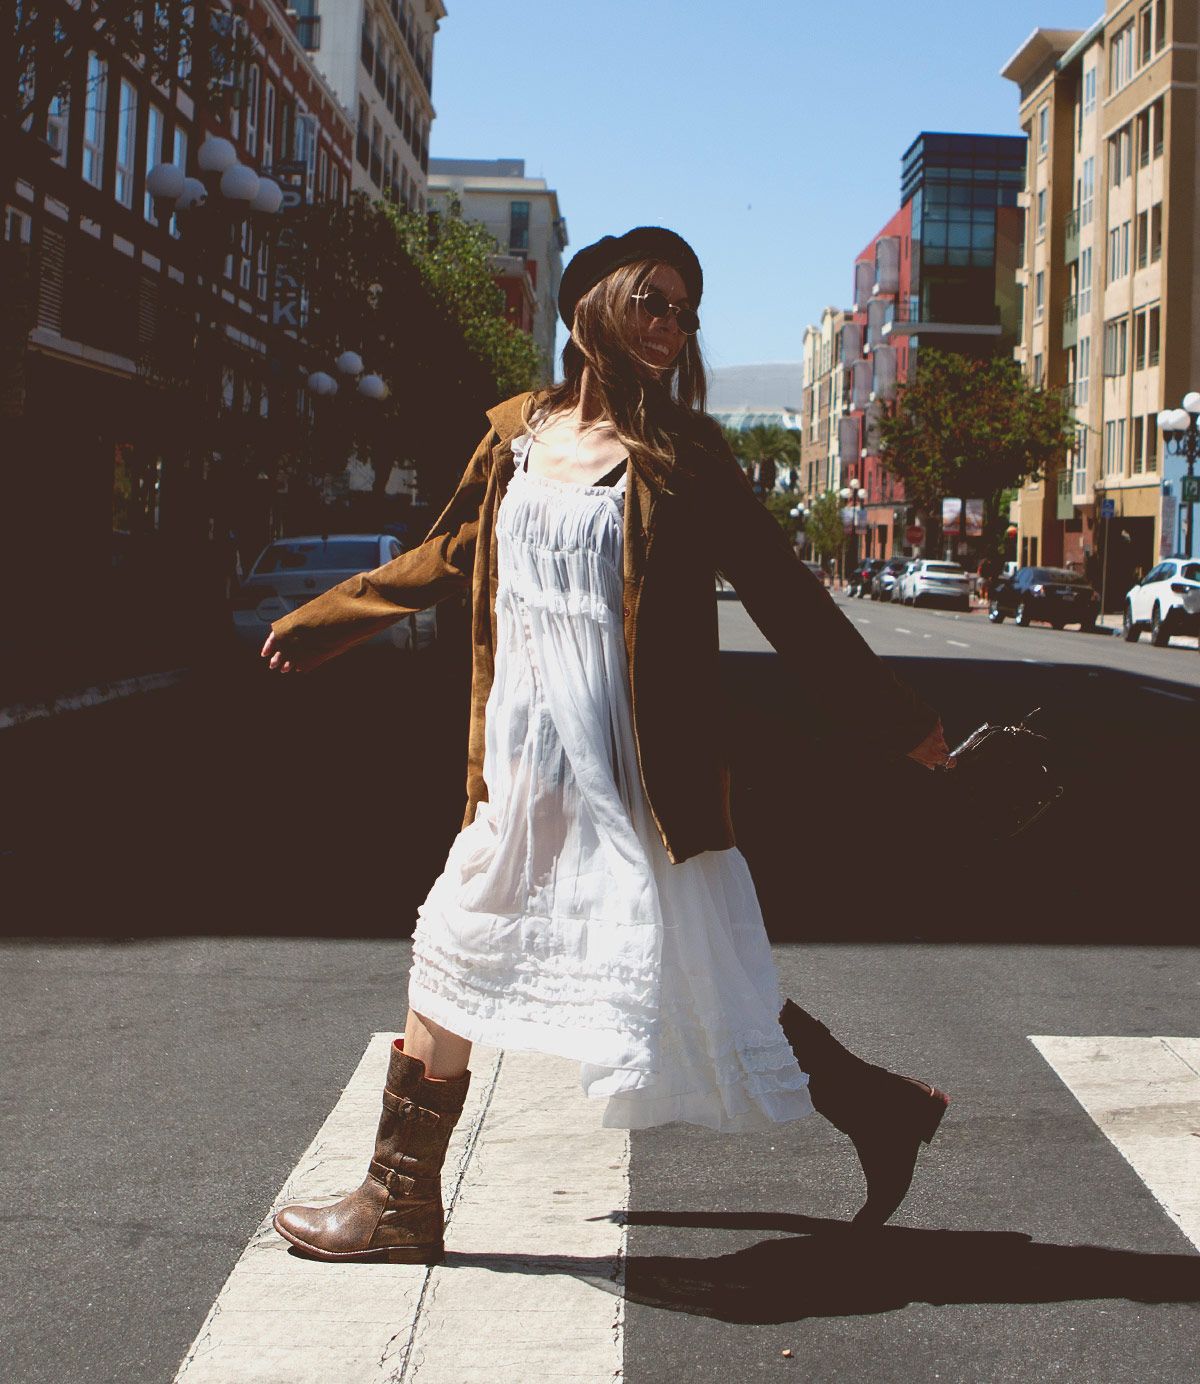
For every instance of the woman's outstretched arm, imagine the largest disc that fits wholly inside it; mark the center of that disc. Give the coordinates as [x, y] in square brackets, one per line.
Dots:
[361, 606]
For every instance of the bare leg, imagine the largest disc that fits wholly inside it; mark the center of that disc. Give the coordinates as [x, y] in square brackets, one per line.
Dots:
[444, 1054]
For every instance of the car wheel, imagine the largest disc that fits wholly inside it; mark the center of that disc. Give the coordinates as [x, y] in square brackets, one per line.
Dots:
[1160, 630]
[995, 614]
[965, 607]
[1131, 632]
[1058, 624]
[1023, 616]
[1088, 626]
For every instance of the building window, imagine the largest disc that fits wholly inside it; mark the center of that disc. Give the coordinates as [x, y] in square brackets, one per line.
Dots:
[1114, 447]
[58, 119]
[376, 169]
[1043, 131]
[1153, 336]
[263, 269]
[1145, 34]
[1139, 341]
[1156, 232]
[1083, 369]
[1136, 448]
[126, 144]
[1160, 26]
[253, 81]
[1118, 252]
[1151, 442]
[154, 152]
[1120, 155]
[1087, 195]
[93, 120]
[1081, 440]
[322, 174]
[367, 50]
[1089, 91]
[1039, 294]
[246, 256]
[1159, 112]
[363, 140]
[1120, 58]
[268, 126]
[1085, 280]
[1038, 370]
[185, 36]
[1116, 338]
[1143, 139]
[1041, 213]
[518, 227]
[1143, 238]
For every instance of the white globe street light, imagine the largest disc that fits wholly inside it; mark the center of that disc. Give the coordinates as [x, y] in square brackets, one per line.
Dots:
[268, 198]
[215, 155]
[349, 363]
[165, 181]
[239, 183]
[322, 384]
[372, 387]
[194, 194]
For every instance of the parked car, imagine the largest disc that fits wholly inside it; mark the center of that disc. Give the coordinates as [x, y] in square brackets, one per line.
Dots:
[925, 580]
[883, 583]
[1053, 594]
[292, 571]
[859, 581]
[818, 571]
[1160, 602]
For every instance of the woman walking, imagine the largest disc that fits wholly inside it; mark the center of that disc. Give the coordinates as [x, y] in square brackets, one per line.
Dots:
[594, 904]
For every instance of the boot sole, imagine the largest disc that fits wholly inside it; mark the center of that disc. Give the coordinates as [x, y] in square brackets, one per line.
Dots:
[386, 1254]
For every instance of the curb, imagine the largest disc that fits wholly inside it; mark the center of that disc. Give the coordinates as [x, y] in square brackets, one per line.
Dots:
[21, 713]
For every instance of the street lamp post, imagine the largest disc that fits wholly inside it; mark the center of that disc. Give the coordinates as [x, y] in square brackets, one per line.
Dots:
[854, 497]
[1181, 438]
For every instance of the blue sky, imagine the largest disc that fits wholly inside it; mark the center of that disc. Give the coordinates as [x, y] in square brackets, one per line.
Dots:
[768, 133]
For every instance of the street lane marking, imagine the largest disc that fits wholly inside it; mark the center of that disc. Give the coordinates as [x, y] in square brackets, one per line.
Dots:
[958, 644]
[861, 620]
[1144, 1094]
[531, 1285]
[1161, 692]
[901, 630]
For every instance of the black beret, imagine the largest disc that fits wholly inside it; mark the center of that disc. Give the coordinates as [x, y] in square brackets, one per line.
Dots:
[589, 265]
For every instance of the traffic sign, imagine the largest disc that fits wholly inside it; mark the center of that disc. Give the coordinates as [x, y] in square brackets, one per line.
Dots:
[1108, 509]
[1191, 488]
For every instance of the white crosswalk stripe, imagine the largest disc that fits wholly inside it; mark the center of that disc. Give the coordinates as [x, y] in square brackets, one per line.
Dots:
[531, 1285]
[1144, 1094]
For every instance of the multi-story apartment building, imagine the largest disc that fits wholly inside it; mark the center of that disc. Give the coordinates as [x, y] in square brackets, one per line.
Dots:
[941, 273]
[140, 321]
[1110, 115]
[378, 57]
[823, 403]
[523, 216]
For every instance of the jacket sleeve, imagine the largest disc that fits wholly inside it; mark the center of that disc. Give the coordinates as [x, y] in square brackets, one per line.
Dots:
[363, 605]
[845, 681]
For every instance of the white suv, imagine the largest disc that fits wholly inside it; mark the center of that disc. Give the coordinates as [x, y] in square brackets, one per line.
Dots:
[1159, 602]
[926, 580]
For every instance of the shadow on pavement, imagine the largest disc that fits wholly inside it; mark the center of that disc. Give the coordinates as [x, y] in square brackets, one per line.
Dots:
[323, 805]
[828, 1269]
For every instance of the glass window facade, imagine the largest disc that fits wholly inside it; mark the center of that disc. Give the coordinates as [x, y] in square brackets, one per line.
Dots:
[957, 182]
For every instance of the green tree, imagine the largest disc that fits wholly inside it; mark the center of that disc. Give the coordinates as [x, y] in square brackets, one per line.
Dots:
[824, 526]
[771, 445]
[454, 259]
[972, 428]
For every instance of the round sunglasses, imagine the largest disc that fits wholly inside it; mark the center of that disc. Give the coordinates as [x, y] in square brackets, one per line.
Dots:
[657, 304]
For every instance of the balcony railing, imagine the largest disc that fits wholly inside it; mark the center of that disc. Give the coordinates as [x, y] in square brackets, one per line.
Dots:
[1071, 236]
[909, 316]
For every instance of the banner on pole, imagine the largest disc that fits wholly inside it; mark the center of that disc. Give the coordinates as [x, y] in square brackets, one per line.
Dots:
[974, 518]
[951, 517]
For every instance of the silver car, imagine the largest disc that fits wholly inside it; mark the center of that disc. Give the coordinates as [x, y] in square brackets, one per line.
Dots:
[291, 571]
[926, 580]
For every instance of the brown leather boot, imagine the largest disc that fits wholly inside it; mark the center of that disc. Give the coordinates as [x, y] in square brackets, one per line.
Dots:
[397, 1213]
[887, 1117]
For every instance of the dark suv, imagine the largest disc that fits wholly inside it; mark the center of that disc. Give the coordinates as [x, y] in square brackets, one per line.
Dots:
[859, 581]
[1045, 593]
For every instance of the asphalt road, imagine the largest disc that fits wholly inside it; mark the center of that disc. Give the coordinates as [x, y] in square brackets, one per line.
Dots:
[208, 894]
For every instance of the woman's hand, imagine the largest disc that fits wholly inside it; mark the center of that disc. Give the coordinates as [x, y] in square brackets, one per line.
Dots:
[278, 663]
[933, 752]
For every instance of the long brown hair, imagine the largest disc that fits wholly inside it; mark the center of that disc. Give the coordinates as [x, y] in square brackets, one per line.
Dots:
[647, 414]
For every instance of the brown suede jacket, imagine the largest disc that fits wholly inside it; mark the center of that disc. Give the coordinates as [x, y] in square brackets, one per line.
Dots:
[676, 539]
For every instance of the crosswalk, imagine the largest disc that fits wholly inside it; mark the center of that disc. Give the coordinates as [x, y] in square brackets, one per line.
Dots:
[537, 1193]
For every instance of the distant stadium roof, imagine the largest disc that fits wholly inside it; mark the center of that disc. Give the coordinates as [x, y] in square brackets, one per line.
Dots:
[747, 396]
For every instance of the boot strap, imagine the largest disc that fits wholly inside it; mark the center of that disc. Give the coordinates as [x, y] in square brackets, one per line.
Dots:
[394, 1181]
[408, 1109]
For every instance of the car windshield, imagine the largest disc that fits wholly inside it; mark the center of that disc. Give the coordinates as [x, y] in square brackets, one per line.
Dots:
[316, 555]
[1058, 575]
[951, 567]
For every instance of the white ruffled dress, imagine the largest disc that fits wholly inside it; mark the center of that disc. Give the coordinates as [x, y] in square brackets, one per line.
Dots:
[559, 924]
